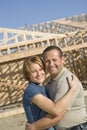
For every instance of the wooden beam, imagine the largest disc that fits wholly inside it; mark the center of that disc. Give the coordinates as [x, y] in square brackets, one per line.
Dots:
[36, 51]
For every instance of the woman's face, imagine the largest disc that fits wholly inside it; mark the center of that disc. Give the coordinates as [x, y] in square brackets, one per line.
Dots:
[37, 74]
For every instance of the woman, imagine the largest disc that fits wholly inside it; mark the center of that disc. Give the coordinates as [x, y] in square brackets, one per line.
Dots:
[35, 101]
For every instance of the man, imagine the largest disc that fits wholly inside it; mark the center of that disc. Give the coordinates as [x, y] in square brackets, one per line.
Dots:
[75, 117]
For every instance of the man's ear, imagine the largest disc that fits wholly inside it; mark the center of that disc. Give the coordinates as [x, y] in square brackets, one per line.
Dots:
[63, 59]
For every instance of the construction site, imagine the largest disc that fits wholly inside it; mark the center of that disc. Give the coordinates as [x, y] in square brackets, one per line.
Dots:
[70, 34]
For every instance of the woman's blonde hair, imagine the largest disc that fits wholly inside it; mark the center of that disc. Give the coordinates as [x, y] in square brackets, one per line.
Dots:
[26, 66]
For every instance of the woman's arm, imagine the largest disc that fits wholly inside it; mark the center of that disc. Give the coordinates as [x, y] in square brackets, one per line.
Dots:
[61, 105]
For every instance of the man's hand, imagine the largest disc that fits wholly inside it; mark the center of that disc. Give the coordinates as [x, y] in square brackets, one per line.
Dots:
[29, 126]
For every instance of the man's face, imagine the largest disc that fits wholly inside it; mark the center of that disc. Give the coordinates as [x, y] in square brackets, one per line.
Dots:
[53, 62]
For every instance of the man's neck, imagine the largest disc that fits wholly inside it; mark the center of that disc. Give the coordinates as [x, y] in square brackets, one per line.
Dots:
[54, 76]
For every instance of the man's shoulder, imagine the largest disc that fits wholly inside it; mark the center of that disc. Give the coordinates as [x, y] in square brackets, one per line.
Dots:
[64, 73]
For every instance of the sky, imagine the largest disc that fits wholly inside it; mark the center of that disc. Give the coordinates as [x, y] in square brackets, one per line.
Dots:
[18, 13]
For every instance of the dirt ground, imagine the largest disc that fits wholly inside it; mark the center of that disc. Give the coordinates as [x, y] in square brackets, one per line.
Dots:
[16, 122]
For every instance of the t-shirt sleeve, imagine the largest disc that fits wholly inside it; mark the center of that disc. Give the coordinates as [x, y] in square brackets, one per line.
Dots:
[61, 89]
[31, 92]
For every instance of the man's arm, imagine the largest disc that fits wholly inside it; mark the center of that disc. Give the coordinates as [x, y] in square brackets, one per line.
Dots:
[44, 123]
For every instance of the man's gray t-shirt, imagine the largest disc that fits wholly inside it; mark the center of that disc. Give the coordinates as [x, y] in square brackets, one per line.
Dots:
[76, 112]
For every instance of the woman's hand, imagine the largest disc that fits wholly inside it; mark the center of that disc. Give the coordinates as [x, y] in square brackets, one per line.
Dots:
[73, 82]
